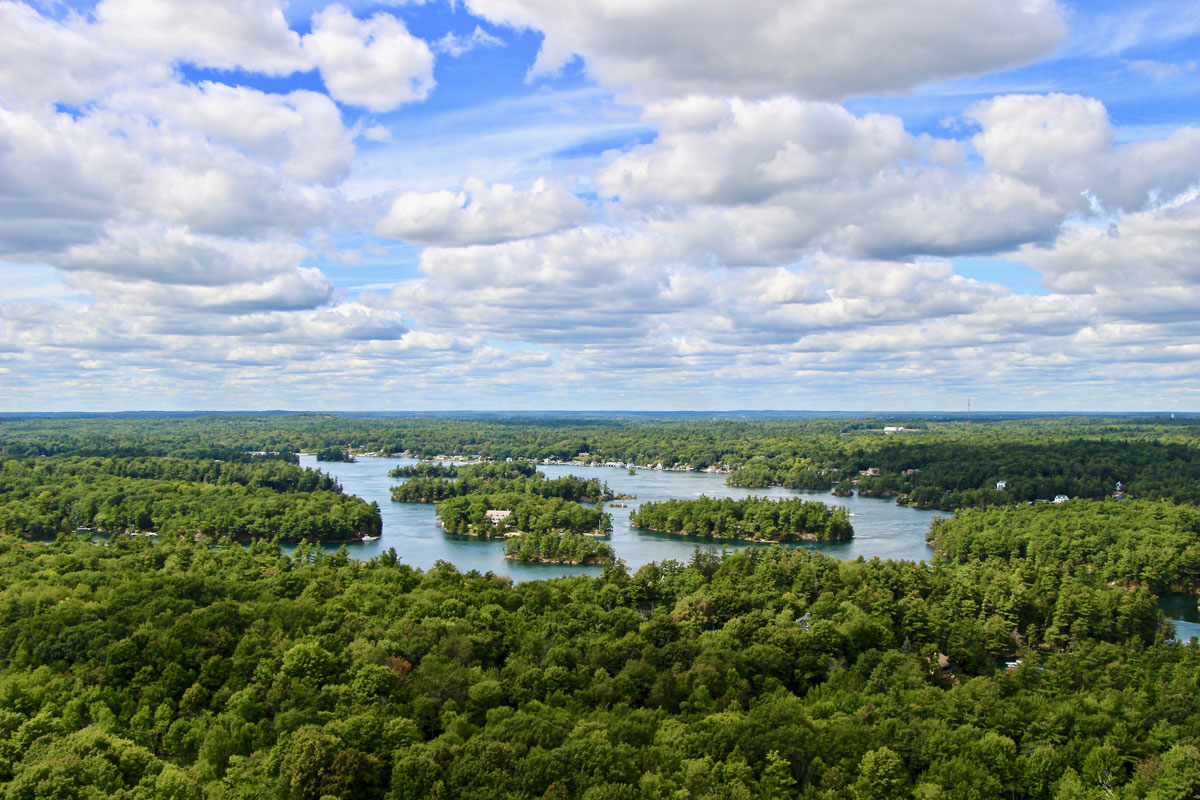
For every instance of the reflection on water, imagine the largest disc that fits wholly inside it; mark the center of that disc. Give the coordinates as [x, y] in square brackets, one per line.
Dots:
[881, 528]
[1182, 610]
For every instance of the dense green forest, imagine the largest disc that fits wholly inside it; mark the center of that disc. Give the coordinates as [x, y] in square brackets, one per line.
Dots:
[474, 479]
[964, 473]
[752, 518]
[43, 497]
[334, 454]
[531, 513]
[943, 464]
[424, 469]
[179, 671]
[1134, 543]
[800, 473]
[558, 548]
[483, 470]
[1028, 661]
[568, 487]
[848, 443]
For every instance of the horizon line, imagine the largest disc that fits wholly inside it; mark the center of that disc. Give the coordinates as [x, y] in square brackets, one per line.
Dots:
[602, 412]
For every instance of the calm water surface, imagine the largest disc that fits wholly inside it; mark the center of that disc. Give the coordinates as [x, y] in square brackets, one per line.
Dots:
[1182, 610]
[881, 528]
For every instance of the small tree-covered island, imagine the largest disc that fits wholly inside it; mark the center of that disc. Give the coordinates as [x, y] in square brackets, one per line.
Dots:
[509, 513]
[431, 483]
[334, 454]
[424, 469]
[755, 519]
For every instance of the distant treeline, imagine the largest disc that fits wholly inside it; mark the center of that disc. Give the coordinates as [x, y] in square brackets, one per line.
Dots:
[957, 474]
[935, 464]
[780, 443]
[753, 518]
[174, 497]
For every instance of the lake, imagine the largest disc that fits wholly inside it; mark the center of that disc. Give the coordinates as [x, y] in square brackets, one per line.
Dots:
[1181, 609]
[881, 527]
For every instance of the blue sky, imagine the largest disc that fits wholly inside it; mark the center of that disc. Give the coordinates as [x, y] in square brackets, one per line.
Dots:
[523, 204]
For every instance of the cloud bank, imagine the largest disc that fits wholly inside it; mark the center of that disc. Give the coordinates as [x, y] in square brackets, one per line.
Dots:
[748, 218]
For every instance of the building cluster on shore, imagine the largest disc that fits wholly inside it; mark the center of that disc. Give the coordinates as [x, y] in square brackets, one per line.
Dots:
[581, 460]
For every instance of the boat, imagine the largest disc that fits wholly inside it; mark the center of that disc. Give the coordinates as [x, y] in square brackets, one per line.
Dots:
[369, 538]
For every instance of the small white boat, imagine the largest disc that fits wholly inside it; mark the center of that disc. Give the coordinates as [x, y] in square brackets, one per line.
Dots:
[369, 538]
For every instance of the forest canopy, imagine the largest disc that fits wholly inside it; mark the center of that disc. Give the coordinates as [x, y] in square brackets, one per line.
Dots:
[752, 518]
[497, 478]
[934, 462]
[1028, 661]
[558, 548]
[530, 513]
[174, 670]
[1134, 543]
[44, 497]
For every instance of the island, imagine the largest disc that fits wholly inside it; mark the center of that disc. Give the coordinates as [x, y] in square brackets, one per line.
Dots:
[336, 454]
[498, 516]
[424, 469]
[431, 484]
[755, 519]
[1029, 658]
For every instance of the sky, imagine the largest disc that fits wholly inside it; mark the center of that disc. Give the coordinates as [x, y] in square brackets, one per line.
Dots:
[600, 204]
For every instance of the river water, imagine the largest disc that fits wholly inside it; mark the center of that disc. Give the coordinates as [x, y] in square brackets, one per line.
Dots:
[882, 528]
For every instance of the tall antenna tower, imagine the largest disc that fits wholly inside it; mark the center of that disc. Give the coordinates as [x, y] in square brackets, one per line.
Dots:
[968, 409]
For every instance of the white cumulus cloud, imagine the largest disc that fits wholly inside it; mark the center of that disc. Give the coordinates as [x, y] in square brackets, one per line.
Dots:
[481, 213]
[826, 49]
[734, 151]
[374, 63]
[223, 34]
[175, 255]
